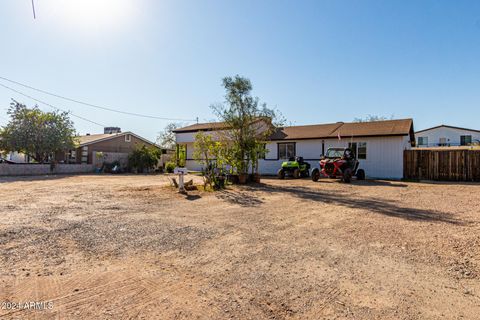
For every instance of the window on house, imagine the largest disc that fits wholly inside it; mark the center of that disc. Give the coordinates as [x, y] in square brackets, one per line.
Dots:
[128, 138]
[73, 154]
[286, 150]
[85, 154]
[359, 149]
[422, 141]
[362, 150]
[442, 142]
[465, 140]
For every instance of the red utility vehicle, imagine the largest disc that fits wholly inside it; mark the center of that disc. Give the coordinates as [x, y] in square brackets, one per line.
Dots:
[339, 163]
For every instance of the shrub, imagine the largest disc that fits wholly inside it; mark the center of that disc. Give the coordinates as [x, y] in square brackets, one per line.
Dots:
[169, 167]
[144, 158]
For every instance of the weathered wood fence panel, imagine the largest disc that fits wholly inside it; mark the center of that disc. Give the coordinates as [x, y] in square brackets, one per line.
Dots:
[447, 165]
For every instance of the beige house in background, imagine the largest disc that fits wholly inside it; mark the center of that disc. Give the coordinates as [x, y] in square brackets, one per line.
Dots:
[113, 146]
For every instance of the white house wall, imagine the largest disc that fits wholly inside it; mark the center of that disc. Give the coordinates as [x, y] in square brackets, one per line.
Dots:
[451, 134]
[185, 137]
[17, 157]
[384, 155]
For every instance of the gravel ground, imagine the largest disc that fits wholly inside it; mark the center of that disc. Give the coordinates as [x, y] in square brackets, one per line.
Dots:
[130, 247]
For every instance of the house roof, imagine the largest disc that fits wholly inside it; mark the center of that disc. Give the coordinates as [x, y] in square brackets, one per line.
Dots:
[447, 126]
[94, 138]
[306, 132]
[211, 126]
[400, 127]
[207, 126]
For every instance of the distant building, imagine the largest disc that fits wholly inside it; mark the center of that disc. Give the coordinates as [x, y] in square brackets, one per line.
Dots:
[447, 136]
[111, 145]
[15, 157]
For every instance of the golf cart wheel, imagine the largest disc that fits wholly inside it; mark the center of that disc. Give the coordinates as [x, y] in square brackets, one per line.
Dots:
[347, 175]
[281, 174]
[296, 173]
[360, 174]
[315, 175]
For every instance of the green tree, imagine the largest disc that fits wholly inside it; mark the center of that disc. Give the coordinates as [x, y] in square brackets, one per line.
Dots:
[36, 133]
[144, 158]
[166, 138]
[248, 123]
[210, 153]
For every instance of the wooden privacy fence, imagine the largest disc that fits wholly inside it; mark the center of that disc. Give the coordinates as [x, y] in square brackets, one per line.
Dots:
[447, 165]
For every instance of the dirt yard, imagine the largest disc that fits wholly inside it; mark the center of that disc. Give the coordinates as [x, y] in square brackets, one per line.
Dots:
[129, 247]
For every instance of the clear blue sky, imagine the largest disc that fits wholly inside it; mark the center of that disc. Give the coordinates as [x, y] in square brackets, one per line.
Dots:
[316, 61]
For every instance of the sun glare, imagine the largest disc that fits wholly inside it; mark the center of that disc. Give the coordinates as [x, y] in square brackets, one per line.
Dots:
[94, 15]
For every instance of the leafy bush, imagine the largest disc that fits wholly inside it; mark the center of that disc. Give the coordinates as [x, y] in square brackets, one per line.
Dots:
[169, 167]
[144, 158]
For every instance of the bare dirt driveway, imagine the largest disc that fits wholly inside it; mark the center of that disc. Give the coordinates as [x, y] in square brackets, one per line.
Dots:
[129, 247]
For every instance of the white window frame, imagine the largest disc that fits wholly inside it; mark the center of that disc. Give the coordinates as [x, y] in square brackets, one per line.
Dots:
[423, 139]
[285, 145]
[128, 138]
[355, 146]
[464, 136]
[362, 145]
[84, 154]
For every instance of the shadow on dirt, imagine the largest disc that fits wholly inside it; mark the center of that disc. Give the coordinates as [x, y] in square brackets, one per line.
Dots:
[192, 197]
[380, 183]
[373, 205]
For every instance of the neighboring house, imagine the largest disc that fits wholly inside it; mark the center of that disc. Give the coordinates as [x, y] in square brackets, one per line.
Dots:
[379, 144]
[447, 136]
[15, 157]
[113, 146]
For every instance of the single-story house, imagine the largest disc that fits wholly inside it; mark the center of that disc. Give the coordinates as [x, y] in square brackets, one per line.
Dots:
[379, 145]
[447, 136]
[112, 145]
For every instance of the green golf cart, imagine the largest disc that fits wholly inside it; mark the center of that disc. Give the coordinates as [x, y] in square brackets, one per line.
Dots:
[295, 167]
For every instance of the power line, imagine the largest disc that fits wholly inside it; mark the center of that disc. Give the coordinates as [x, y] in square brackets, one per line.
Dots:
[52, 106]
[94, 105]
[33, 9]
